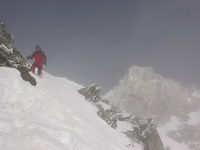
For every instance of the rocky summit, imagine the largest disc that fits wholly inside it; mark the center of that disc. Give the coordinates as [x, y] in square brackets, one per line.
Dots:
[10, 57]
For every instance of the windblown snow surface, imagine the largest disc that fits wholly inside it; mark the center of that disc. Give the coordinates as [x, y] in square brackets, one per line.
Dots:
[51, 116]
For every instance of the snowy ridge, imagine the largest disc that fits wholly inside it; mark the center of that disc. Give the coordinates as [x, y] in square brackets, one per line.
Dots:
[140, 131]
[51, 116]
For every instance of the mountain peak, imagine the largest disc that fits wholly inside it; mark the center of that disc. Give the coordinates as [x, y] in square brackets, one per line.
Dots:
[143, 93]
[141, 73]
[141, 90]
[140, 69]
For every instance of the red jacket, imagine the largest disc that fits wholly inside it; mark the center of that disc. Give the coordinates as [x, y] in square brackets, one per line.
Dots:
[39, 56]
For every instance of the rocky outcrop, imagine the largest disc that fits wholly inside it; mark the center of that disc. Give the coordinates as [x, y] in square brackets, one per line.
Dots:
[26, 76]
[110, 116]
[138, 130]
[91, 93]
[10, 57]
[5, 37]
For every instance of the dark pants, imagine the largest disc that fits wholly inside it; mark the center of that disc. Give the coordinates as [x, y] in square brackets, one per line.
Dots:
[39, 66]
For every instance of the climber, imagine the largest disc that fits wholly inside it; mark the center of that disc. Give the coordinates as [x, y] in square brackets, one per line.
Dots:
[40, 59]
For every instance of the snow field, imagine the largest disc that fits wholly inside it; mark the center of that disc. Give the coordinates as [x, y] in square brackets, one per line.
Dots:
[51, 116]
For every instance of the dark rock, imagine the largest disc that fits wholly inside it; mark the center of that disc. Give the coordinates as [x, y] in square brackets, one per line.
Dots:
[5, 37]
[9, 60]
[151, 139]
[10, 57]
[4, 59]
[91, 93]
[109, 116]
[26, 76]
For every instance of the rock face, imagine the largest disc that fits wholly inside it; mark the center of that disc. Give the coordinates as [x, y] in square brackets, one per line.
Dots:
[5, 37]
[91, 93]
[138, 130]
[10, 57]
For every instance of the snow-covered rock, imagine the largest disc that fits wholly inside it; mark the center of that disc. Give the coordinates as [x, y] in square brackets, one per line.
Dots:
[5, 37]
[8, 50]
[138, 130]
[10, 57]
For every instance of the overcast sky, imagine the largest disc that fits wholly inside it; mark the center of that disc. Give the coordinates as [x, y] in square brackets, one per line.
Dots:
[96, 41]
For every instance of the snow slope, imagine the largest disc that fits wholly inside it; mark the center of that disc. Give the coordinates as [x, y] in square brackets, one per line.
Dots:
[51, 116]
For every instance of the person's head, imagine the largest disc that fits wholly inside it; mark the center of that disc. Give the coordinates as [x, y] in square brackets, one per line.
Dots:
[37, 47]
